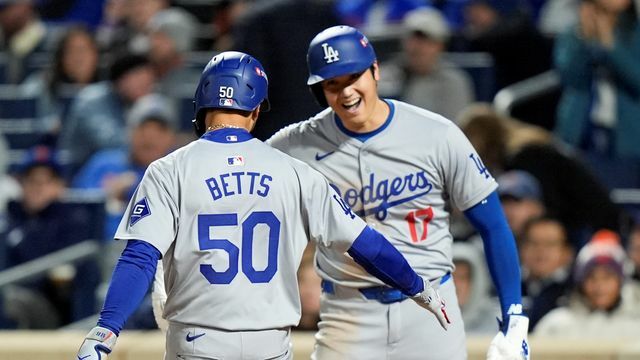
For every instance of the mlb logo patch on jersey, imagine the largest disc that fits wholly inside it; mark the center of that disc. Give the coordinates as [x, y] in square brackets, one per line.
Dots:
[237, 160]
[226, 102]
[232, 138]
[139, 210]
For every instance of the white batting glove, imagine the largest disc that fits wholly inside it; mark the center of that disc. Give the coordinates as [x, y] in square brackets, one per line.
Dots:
[430, 299]
[97, 344]
[513, 344]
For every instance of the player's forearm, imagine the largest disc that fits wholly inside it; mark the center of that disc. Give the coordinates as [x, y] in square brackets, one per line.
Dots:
[131, 279]
[500, 250]
[376, 255]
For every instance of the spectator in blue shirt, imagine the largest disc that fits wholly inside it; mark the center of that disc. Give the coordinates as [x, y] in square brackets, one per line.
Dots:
[117, 172]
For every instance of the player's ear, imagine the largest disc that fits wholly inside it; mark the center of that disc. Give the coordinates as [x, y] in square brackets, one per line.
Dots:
[375, 70]
[254, 118]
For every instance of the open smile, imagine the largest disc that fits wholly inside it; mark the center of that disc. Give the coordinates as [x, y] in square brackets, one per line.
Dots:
[352, 105]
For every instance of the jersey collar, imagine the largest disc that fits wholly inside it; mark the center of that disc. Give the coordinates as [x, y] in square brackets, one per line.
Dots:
[365, 136]
[227, 136]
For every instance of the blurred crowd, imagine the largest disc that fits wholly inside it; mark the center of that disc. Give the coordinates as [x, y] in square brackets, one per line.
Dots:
[93, 91]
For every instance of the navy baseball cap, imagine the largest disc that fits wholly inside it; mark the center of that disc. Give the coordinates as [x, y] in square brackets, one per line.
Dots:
[41, 155]
[519, 185]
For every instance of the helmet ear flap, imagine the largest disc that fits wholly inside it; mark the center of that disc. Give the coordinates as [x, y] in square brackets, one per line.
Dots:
[318, 94]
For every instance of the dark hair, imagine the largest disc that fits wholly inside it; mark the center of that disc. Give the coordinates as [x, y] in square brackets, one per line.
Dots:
[125, 63]
[491, 129]
[544, 219]
[57, 74]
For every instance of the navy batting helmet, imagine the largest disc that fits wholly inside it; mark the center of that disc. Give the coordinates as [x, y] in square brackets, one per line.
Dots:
[336, 51]
[231, 80]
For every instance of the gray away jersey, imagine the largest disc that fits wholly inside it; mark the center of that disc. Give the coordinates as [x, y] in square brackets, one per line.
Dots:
[232, 219]
[398, 181]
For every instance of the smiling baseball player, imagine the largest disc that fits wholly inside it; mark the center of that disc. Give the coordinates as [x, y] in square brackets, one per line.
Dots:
[398, 167]
[230, 218]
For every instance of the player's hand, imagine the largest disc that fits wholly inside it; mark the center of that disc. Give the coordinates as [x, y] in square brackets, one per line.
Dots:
[97, 344]
[511, 344]
[430, 299]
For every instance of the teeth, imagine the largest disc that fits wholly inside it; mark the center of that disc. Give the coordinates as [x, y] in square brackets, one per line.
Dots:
[351, 103]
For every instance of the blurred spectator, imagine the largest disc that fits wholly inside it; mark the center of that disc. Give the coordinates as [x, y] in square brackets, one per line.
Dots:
[125, 24]
[570, 191]
[223, 18]
[504, 30]
[138, 15]
[598, 65]
[112, 29]
[310, 291]
[22, 34]
[268, 32]
[634, 252]
[9, 187]
[497, 138]
[96, 119]
[117, 171]
[172, 36]
[374, 15]
[74, 66]
[473, 287]
[521, 198]
[602, 307]
[556, 16]
[633, 249]
[546, 256]
[40, 224]
[420, 76]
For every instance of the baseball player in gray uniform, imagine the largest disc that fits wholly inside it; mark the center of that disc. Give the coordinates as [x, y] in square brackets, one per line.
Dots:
[397, 166]
[230, 218]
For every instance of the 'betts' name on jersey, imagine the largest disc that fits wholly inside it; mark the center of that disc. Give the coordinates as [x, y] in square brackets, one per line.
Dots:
[229, 184]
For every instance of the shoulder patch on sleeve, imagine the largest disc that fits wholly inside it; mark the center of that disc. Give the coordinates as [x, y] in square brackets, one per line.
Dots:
[139, 210]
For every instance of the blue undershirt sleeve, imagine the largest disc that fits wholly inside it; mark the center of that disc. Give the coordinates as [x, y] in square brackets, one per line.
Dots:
[500, 250]
[130, 282]
[376, 255]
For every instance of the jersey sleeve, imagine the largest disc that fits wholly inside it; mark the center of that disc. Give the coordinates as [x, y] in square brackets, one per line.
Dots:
[280, 140]
[330, 220]
[467, 180]
[152, 213]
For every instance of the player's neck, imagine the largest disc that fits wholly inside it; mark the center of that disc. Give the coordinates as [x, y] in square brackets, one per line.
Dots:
[215, 127]
[218, 121]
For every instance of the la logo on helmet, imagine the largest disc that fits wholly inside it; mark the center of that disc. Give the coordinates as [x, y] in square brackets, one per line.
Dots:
[330, 54]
